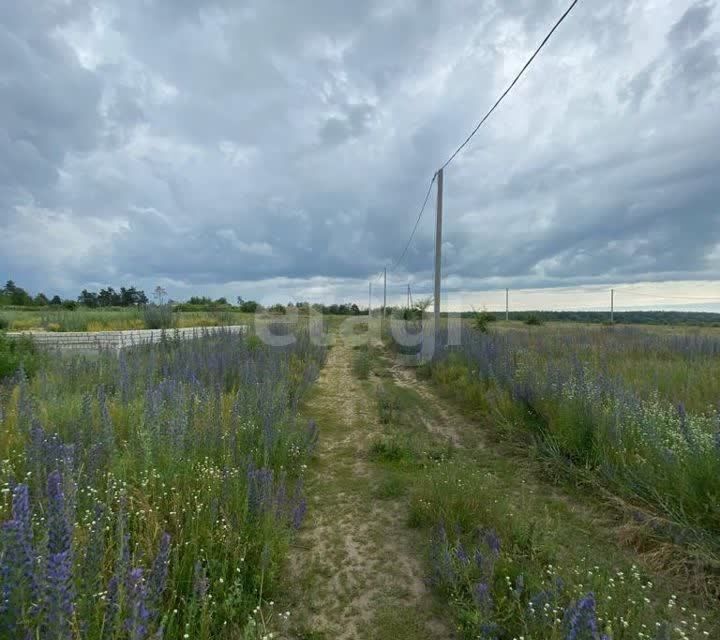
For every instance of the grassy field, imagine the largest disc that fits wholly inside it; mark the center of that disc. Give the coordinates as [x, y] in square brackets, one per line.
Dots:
[111, 319]
[633, 410]
[152, 492]
[529, 534]
[550, 482]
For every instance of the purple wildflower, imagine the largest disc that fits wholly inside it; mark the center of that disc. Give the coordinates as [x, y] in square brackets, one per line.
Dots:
[481, 596]
[492, 541]
[461, 554]
[159, 574]
[298, 513]
[59, 530]
[11, 583]
[59, 596]
[138, 617]
[260, 490]
[443, 570]
[22, 515]
[479, 560]
[581, 619]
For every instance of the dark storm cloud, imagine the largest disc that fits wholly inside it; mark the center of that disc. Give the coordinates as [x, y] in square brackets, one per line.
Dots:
[48, 102]
[202, 143]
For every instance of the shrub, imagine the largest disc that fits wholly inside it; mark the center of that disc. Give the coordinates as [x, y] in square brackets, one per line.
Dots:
[481, 320]
[534, 320]
[158, 316]
[17, 352]
[4, 323]
[249, 306]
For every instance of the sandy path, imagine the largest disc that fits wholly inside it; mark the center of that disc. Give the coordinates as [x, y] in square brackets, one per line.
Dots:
[357, 567]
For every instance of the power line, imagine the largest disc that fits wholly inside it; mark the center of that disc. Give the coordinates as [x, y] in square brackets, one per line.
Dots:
[417, 222]
[475, 130]
[512, 84]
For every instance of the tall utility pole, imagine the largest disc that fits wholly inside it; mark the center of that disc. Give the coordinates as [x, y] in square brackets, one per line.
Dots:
[408, 301]
[370, 299]
[612, 306]
[384, 296]
[438, 250]
[507, 305]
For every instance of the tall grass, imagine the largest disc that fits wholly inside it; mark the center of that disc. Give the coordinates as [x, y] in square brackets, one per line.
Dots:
[152, 493]
[17, 354]
[633, 410]
[87, 320]
[116, 319]
[158, 316]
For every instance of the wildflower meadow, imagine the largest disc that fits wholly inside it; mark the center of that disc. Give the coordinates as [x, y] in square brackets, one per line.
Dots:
[627, 420]
[152, 493]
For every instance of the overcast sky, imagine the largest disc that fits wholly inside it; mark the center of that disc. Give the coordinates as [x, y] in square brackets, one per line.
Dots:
[281, 150]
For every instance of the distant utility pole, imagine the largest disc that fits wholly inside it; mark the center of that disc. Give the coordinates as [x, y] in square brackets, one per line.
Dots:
[370, 299]
[408, 300]
[612, 306]
[507, 305]
[384, 295]
[438, 250]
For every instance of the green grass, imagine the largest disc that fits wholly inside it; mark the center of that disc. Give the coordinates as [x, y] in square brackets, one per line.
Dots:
[677, 494]
[392, 449]
[18, 353]
[361, 362]
[393, 485]
[548, 536]
[114, 319]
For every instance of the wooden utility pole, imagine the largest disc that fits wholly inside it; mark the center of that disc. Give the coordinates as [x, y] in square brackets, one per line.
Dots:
[370, 299]
[507, 305]
[384, 295]
[438, 252]
[408, 296]
[612, 306]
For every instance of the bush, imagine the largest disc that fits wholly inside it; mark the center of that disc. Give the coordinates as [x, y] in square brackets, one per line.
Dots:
[534, 320]
[249, 306]
[481, 320]
[4, 323]
[158, 316]
[17, 352]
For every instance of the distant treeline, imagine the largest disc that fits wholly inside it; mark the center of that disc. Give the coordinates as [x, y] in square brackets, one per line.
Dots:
[696, 318]
[13, 295]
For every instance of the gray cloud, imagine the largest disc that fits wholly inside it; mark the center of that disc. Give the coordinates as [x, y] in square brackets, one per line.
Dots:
[691, 25]
[207, 143]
